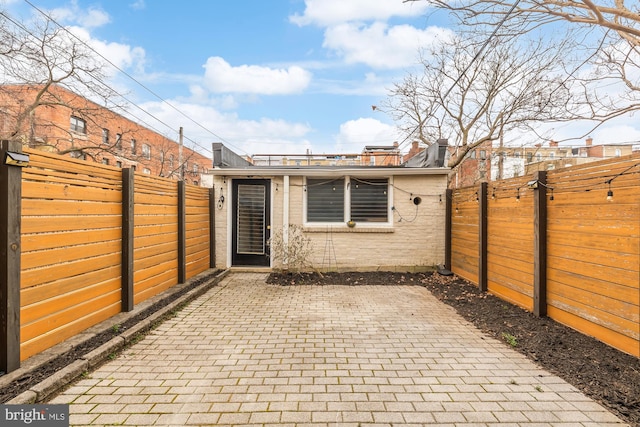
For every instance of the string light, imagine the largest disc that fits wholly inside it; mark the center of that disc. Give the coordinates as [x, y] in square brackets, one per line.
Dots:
[610, 192]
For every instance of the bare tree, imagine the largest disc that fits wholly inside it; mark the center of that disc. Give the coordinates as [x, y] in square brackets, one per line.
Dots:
[471, 99]
[38, 60]
[619, 16]
[606, 35]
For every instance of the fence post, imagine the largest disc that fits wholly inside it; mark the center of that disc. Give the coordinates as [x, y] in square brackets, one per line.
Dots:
[127, 238]
[482, 234]
[182, 233]
[212, 228]
[540, 245]
[10, 221]
[447, 228]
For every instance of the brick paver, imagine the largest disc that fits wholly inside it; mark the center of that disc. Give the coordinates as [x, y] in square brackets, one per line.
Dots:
[248, 353]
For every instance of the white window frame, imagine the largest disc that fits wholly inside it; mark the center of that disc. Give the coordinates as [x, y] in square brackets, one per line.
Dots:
[347, 204]
[78, 125]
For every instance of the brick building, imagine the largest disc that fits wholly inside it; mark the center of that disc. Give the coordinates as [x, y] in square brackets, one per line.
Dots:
[60, 121]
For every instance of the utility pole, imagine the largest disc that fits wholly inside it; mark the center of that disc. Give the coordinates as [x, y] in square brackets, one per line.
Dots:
[180, 165]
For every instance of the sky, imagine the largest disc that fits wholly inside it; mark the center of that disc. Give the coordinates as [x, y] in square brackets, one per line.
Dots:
[262, 76]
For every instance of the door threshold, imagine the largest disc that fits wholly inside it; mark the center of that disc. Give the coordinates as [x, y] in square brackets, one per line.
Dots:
[250, 269]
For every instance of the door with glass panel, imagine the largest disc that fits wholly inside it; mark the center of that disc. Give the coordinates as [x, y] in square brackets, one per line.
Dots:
[251, 222]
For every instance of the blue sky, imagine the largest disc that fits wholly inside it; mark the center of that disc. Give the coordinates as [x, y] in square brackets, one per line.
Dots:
[264, 76]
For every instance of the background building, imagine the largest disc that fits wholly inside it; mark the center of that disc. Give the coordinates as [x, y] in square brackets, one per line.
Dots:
[60, 121]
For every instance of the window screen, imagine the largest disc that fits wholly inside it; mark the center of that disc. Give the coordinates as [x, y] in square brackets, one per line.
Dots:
[325, 200]
[369, 201]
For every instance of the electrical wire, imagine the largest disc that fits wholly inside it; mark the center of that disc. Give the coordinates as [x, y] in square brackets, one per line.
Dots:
[137, 82]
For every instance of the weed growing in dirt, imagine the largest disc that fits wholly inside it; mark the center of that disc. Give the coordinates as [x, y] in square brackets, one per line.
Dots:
[510, 339]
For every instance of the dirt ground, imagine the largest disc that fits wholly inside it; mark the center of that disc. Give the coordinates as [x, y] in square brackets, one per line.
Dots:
[599, 371]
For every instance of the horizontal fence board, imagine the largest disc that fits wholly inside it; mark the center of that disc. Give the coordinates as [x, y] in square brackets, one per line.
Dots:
[608, 288]
[508, 294]
[79, 193]
[153, 271]
[50, 338]
[56, 272]
[89, 223]
[63, 301]
[67, 208]
[70, 254]
[620, 341]
[567, 239]
[50, 290]
[599, 272]
[61, 318]
[32, 242]
[587, 300]
[595, 316]
[600, 257]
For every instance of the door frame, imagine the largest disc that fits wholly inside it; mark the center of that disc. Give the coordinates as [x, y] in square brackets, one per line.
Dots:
[242, 260]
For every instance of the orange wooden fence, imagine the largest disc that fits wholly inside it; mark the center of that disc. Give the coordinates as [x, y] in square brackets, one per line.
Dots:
[72, 244]
[567, 251]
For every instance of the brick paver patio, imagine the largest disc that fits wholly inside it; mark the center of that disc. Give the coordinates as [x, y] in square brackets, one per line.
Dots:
[248, 353]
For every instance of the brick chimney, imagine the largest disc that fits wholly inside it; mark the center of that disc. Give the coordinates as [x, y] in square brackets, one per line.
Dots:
[589, 141]
[553, 143]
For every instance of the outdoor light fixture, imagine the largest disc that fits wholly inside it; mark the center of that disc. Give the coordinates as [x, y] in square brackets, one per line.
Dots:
[16, 159]
[533, 184]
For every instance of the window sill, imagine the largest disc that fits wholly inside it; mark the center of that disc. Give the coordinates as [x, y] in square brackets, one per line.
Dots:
[339, 228]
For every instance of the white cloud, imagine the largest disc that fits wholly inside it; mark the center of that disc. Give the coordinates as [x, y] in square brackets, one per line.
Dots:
[355, 134]
[379, 45]
[331, 12]
[138, 5]
[121, 55]
[221, 77]
[243, 136]
[92, 17]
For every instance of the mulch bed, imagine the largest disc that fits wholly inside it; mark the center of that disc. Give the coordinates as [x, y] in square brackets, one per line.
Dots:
[599, 371]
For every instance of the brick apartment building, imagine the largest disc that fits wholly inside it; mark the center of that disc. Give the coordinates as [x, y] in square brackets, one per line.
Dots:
[66, 123]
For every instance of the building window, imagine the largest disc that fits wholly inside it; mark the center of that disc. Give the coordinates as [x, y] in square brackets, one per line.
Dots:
[369, 201]
[618, 152]
[344, 199]
[325, 200]
[105, 161]
[119, 163]
[171, 160]
[78, 125]
[105, 136]
[529, 157]
[483, 155]
[195, 168]
[119, 141]
[146, 151]
[147, 171]
[133, 146]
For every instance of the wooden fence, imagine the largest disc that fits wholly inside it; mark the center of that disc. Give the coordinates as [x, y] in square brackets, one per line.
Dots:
[563, 243]
[93, 241]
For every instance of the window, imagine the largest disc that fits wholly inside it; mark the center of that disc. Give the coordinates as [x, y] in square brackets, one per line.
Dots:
[133, 146]
[483, 155]
[147, 171]
[105, 136]
[78, 125]
[118, 141]
[343, 199]
[119, 163]
[171, 160]
[325, 200]
[146, 151]
[105, 161]
[195, 168]
[369, 201]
